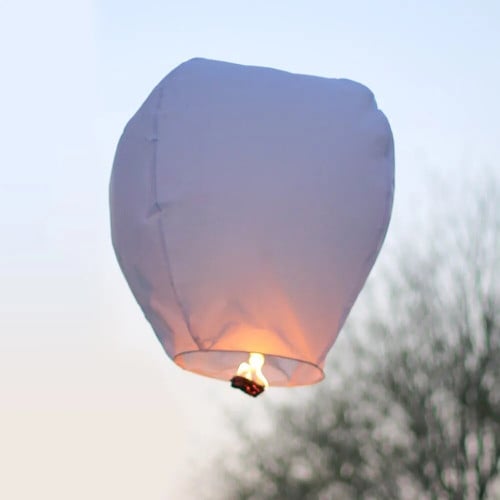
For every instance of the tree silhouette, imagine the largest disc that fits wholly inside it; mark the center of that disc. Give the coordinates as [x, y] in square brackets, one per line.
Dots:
[417, 415]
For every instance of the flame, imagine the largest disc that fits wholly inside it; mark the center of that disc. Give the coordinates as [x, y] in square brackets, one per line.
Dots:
[253, 369]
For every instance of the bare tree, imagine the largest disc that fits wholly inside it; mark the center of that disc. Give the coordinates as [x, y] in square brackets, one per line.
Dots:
[418, 414]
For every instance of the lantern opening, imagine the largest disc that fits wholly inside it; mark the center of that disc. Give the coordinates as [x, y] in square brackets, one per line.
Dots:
[281, 371]
[249, 377]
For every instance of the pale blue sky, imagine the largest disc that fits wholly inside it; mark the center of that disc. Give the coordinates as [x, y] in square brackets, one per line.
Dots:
[89, 405]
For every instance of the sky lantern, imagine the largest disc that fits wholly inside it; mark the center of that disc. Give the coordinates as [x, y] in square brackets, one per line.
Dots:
[248, 206]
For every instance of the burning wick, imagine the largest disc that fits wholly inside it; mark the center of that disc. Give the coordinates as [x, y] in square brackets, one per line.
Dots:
[249, 377]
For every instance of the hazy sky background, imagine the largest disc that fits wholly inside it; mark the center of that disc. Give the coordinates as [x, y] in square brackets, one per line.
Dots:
[90, 407]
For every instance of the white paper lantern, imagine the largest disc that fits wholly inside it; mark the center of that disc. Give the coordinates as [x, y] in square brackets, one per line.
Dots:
[248, 206]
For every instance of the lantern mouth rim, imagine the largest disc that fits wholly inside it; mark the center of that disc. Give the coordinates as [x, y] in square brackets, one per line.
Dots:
[281, 371]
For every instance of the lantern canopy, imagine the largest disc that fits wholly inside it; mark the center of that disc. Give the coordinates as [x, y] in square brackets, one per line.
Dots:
[248, 206]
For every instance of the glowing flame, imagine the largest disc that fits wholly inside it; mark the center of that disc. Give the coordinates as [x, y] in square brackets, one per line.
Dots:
[253, 369]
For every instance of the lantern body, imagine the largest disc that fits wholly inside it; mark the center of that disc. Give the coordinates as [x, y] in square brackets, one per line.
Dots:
[248, 206]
